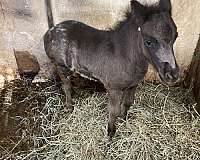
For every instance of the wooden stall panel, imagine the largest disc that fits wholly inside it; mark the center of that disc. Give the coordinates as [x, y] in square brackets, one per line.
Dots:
[23, 23]
[22, 26]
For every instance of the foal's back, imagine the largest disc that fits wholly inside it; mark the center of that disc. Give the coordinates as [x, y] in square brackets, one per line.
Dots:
[71, 42]
[76, 33]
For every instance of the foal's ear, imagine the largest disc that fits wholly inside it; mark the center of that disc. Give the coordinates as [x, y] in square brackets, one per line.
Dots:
[143, 12]
[139, 10]
[165, 5]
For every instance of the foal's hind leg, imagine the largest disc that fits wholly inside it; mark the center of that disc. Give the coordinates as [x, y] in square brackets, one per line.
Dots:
[64, 74]
[129, 96]
[114, 109]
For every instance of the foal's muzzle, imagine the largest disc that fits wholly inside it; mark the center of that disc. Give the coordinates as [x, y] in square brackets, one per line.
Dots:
[168, 74]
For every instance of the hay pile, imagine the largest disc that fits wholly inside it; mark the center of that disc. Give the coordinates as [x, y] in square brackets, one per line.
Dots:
[162, 125]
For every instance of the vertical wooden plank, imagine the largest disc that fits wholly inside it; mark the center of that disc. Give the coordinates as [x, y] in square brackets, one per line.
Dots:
[193, 75]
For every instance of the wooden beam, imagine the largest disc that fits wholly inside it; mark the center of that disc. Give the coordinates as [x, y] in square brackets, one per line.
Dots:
[193, 75]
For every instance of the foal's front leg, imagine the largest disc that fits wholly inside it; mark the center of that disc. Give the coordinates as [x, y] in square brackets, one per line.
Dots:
[129, 96]
[114, 109]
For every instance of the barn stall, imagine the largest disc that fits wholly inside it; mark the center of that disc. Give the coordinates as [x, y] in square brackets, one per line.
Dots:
[163, 123]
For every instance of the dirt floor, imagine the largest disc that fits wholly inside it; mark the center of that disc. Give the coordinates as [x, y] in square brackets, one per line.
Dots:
[33, 124]
[22, 113]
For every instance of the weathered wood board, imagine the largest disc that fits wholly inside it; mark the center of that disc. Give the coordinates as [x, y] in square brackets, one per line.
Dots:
[193, 75]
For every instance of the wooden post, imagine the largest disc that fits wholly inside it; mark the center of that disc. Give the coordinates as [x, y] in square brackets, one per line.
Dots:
[193, 75]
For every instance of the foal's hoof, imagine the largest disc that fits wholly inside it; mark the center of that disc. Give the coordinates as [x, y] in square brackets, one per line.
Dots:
[123, 117]
[68, 108]
[111, 132]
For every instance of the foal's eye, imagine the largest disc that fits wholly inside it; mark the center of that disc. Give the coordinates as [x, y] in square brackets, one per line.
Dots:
[148, 43]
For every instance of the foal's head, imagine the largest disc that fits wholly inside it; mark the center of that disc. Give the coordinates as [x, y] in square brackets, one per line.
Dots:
[159, 33]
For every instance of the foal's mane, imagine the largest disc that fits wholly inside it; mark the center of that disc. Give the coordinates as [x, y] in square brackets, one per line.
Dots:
[127, 17]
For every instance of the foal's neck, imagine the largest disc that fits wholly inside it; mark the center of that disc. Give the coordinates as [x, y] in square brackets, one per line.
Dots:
[130, 39]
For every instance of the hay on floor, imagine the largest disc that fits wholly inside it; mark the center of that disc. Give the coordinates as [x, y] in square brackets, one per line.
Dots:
[162, 124]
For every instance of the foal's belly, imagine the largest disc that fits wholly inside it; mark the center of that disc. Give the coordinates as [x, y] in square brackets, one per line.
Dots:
[120, 81]
[113, 76]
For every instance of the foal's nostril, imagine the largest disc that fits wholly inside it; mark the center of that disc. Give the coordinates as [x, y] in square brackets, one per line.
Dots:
[166, 67]
[170, 74]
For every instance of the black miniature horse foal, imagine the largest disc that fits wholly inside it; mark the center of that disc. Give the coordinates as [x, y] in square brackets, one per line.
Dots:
[119, 57]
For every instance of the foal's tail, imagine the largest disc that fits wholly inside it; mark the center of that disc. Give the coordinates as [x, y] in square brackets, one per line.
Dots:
[49, 13]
